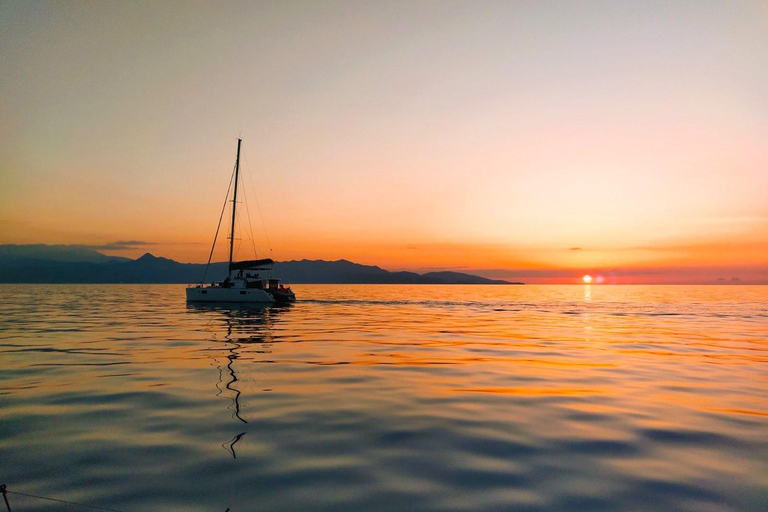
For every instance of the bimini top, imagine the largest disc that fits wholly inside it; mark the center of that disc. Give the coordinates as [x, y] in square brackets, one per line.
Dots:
[250, 264]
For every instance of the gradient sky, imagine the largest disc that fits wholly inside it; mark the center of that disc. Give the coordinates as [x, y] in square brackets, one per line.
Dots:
[531, 140]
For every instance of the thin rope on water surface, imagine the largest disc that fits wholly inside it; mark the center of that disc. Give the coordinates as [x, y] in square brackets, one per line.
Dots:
[4, 490]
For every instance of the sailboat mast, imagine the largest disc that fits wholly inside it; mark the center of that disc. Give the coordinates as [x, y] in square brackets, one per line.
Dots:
[234, 205]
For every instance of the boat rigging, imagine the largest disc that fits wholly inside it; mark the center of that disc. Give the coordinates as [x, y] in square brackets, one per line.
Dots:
[248, 281]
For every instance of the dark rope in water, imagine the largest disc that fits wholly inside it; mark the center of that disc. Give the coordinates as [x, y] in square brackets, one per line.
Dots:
[3, 490]
[54, 499]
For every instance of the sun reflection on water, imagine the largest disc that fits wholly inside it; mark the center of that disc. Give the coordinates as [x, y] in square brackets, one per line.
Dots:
[486, 397]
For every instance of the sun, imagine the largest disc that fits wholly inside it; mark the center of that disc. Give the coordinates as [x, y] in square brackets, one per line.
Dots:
[587, 279]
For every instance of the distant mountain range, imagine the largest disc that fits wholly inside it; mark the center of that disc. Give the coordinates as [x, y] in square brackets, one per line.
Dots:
[81, 264]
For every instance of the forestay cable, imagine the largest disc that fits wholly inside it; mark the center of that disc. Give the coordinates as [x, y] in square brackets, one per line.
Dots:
[216, 236]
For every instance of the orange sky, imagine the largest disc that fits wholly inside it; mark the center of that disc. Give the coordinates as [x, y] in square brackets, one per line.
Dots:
[533, 141]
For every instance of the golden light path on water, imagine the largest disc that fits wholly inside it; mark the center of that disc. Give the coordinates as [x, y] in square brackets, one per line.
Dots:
[387, 398]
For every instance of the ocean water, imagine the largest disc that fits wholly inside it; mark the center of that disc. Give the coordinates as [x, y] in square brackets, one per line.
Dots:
[387, 398]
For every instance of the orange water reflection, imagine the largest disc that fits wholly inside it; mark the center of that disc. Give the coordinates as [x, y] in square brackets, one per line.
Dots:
[544, 384]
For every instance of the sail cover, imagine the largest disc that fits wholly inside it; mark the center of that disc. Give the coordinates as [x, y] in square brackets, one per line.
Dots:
[250, 264]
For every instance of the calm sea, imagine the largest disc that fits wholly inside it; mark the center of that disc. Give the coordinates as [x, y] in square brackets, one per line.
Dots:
[387, 398]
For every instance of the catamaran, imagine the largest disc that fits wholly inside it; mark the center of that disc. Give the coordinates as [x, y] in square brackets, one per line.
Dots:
[247, 281]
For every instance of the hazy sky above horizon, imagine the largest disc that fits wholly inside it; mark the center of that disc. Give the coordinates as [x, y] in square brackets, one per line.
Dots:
[584, 136]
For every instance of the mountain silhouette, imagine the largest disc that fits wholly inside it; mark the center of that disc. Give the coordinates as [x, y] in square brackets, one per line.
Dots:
[56, 264]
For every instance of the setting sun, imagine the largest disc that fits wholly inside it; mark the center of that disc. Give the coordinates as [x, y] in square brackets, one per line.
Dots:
[451, 149]
[587, 279]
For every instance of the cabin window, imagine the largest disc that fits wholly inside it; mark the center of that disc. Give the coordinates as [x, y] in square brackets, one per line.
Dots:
[242, 293]
[203, 292]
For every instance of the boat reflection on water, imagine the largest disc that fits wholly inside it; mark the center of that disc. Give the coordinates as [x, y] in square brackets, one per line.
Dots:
[236, 327]
[230, 445]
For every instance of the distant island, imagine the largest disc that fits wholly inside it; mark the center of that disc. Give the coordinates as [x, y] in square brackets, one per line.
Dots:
[41, 263]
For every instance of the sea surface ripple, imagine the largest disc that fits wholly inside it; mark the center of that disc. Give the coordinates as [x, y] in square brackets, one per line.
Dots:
[387, 398]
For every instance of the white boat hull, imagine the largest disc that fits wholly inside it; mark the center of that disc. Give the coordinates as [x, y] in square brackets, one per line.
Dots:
[244, 283]
[234, 295]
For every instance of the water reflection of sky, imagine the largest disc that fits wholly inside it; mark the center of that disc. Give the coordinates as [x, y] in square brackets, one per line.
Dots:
[382, 397]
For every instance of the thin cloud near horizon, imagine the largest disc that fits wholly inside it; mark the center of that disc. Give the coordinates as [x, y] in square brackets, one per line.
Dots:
[585, 138]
